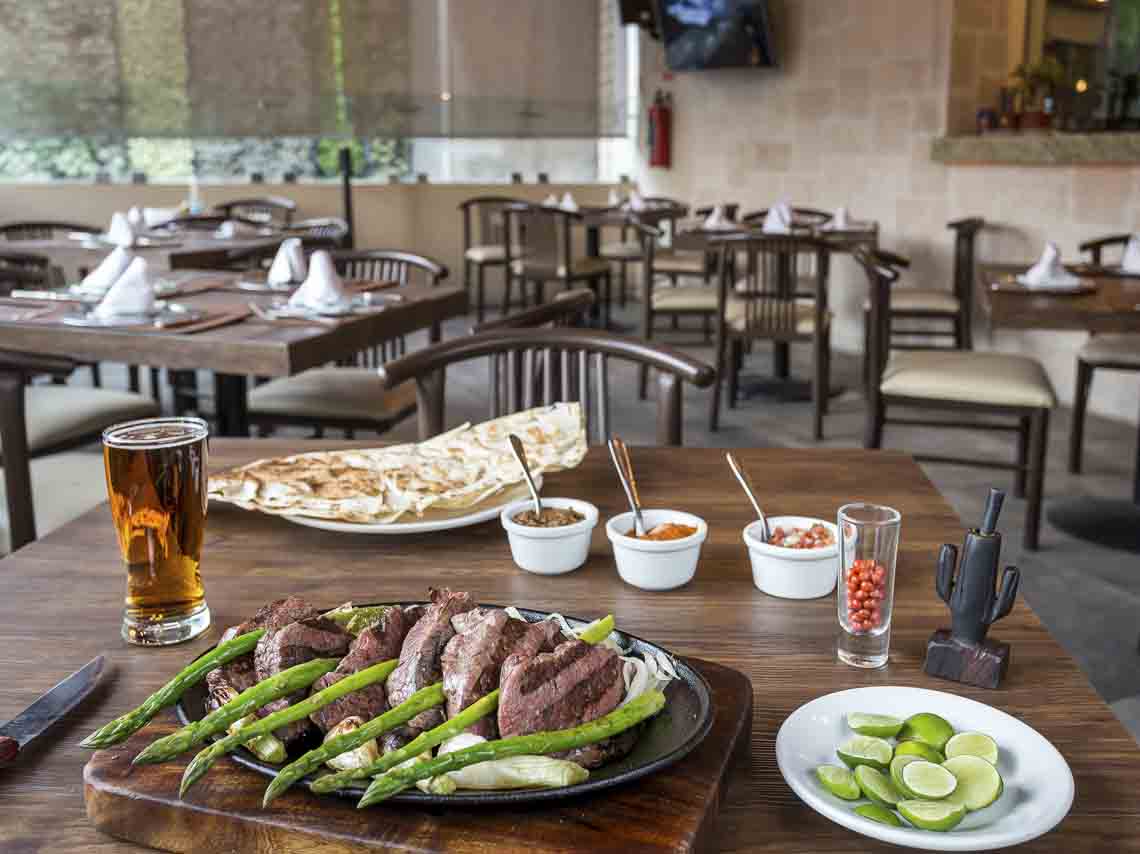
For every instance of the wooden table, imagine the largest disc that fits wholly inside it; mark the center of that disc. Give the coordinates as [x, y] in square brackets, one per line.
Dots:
[249, 347]
[63, 596]
[1114, 306]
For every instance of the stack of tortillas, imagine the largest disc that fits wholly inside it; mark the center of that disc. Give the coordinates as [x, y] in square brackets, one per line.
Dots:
[454, 471]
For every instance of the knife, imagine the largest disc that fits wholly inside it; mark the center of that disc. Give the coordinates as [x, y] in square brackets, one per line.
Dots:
[34, 720]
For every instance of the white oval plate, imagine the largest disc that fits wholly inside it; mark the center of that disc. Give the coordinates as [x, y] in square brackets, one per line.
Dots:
[1038, 783]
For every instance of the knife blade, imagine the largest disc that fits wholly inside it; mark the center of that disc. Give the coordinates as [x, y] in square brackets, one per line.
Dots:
[34, 720]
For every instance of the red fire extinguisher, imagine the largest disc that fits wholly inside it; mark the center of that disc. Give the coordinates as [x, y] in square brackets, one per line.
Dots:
[660, 130]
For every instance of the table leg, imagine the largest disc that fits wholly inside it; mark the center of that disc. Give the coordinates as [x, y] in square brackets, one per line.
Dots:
[231, 404]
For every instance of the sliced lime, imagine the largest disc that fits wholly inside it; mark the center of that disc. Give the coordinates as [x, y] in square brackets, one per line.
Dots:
[839, 781]
[932, 815]
[879, 814]
[979, 783]
[928, 780]
[880, 726]
[973, 744]
[866, 750]
[877, 786]
[897, 765]
[929, 728]
[920, 749]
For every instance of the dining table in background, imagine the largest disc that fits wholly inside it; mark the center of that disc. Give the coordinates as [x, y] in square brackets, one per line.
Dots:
[1111, 303]
[63, 603]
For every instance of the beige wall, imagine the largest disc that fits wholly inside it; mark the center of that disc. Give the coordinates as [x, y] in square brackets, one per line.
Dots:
[848, 120]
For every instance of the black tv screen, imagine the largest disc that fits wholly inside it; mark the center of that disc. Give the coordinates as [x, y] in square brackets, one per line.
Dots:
[716, 34]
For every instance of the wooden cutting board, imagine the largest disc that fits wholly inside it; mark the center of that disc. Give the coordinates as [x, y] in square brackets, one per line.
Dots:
[674, 810]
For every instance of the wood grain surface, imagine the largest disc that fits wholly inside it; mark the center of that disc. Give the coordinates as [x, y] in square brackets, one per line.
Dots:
[1114, 306]
[62, 598]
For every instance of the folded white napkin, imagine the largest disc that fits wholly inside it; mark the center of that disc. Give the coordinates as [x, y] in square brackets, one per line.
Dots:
[153, 217]
[614, 198]
[717, 221]
[568, 203]
[131, 294]
[778, 219]
[230, 229]
[120, 231]
[636, 201]
[550, 201]
[1130, 263]
[135, 218]
[99, 280]
[323, 289]
[289, 263]
[1048, 272]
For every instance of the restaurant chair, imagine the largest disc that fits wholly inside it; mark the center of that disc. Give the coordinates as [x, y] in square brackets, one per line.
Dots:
[1009, 387]
[24, 270]
[628, 249]
[191, 223]
[803, 217]
[36, 420]
[320, 232]
[568, 308]
[267, 210]
[1096, 247]
[538, 367]
[44, 229]
[484, 234]
[772, 301]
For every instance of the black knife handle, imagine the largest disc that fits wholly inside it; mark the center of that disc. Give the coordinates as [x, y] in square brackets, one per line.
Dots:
[9, 748]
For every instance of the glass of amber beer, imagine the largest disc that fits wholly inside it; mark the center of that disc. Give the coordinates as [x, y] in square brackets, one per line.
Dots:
[156, 479]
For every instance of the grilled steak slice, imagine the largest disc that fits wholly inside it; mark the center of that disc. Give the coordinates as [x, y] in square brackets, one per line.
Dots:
[420, 659]
[239, 674]
[557, 690]
[472, 659]
[379, 642]
[296, 643]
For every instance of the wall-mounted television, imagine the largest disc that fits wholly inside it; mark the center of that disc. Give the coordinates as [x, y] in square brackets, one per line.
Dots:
[716, 34]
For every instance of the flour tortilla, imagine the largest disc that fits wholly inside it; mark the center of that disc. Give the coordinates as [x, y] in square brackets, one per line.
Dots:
[445, 476]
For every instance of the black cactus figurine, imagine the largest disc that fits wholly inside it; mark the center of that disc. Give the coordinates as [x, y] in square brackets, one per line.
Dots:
[963, 653]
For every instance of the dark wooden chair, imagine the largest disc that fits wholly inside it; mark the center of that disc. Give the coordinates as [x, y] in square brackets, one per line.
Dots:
[568, 308]
[44, 229]
[556, 364]
[677, 264]
[387, 265]
[1013, 389]
[192, 223]
[24, 270]
[1110, 351]
[628, 248]
[331, 230]
[277, 210]
[772, 301]
[36, 420]
[484, 236]
[801, 216]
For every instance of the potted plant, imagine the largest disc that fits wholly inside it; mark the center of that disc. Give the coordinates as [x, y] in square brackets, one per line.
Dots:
[1036, 83]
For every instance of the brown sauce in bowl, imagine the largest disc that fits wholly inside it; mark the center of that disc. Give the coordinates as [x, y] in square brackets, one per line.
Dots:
[665, 531]
[552, 517]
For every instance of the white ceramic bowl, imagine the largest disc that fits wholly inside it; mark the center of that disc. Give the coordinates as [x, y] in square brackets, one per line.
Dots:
[550, 551]
[656, 564]
[792, 573]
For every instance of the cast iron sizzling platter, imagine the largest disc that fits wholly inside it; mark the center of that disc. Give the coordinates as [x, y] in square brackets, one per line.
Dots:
[664, 739]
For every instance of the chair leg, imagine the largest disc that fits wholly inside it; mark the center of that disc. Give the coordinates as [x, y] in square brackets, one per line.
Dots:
[959, 332]
[467, 280]
[1038, 440]
[1080, 407]
[735, 359]
[96, 375]
[155, 386]
[479, 310]
[1022, 456]
[818, 391]
[623, 294]
[876, 415]
[607, 283]
[866, 350]
[508, 286]
[132, 378]
[714, 398]
[706, 327]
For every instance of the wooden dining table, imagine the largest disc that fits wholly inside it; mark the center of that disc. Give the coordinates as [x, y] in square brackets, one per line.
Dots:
[63, 598]
[1109, 303]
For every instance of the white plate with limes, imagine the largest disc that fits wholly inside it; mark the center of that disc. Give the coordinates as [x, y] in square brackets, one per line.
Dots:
[985, 805]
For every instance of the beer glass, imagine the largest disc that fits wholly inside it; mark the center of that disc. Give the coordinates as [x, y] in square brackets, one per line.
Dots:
[156, 480]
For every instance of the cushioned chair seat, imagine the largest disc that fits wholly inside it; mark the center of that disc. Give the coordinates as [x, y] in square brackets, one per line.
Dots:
[686, 263]
[921, 299]
[688, 298]
[584, 266]
[487, 254]
[736, 314]
[628, 249]
[351, 394]
[968, 377]
[57, 414]
[1112, 349]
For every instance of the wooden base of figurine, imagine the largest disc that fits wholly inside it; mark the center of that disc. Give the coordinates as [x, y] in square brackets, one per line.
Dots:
[982, 664]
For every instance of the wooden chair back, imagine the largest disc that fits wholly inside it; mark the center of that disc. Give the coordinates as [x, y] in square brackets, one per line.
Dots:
[24, 269]
[541, 237]
[202, 222]
[44, 229]
[568, 308]
[550, 365]
[965, 240]
[263, 209]
[485, 220]
[1096, 247]
[882, 270]
[329, 230]
[803, 217]
[387, 265]
[731, 209]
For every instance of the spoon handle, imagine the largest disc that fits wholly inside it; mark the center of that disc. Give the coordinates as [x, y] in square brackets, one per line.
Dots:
[619, 453]
[746, 484]
[520, 455]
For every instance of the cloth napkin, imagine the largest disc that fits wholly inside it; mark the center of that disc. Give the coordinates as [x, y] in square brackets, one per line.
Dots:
[636, 202]
[840, 221]
[230, 229]
[779, 219]
[1048, 272]
[131, 294]
[289, 263]
[568, 203]
[1130, 263]
[717, 221]
[614, 198]
[323, 289]
[120, 232]
[99, 280]
[550, 201]
[135, 218]
[154, 217]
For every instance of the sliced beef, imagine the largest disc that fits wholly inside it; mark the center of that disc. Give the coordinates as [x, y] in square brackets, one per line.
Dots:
[380, 642]
[472, 659]
[604, 752]
[420, 660]
[557, 690]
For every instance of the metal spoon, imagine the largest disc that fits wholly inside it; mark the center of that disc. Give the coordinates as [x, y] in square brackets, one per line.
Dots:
[737, 470]
[619, 453]
[520, 455]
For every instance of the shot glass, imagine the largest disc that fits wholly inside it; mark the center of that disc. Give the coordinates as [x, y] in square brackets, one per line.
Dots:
[868, 548]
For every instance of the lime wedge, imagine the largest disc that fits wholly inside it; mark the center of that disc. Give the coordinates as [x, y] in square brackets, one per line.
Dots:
[877, 786]
[866, 750]
[897, 765]
[879, 814]
[880, 726]
[839, 781]
[920, 749]
[979, 783]
[973, 744]
[932, 815]
[928, 780]
[929, 728]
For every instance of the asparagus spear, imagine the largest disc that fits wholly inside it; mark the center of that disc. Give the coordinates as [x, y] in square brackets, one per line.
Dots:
[539, 743]
[123, 727]
[201, 763]
[595, 632]
[425, 698]
[250, 700]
